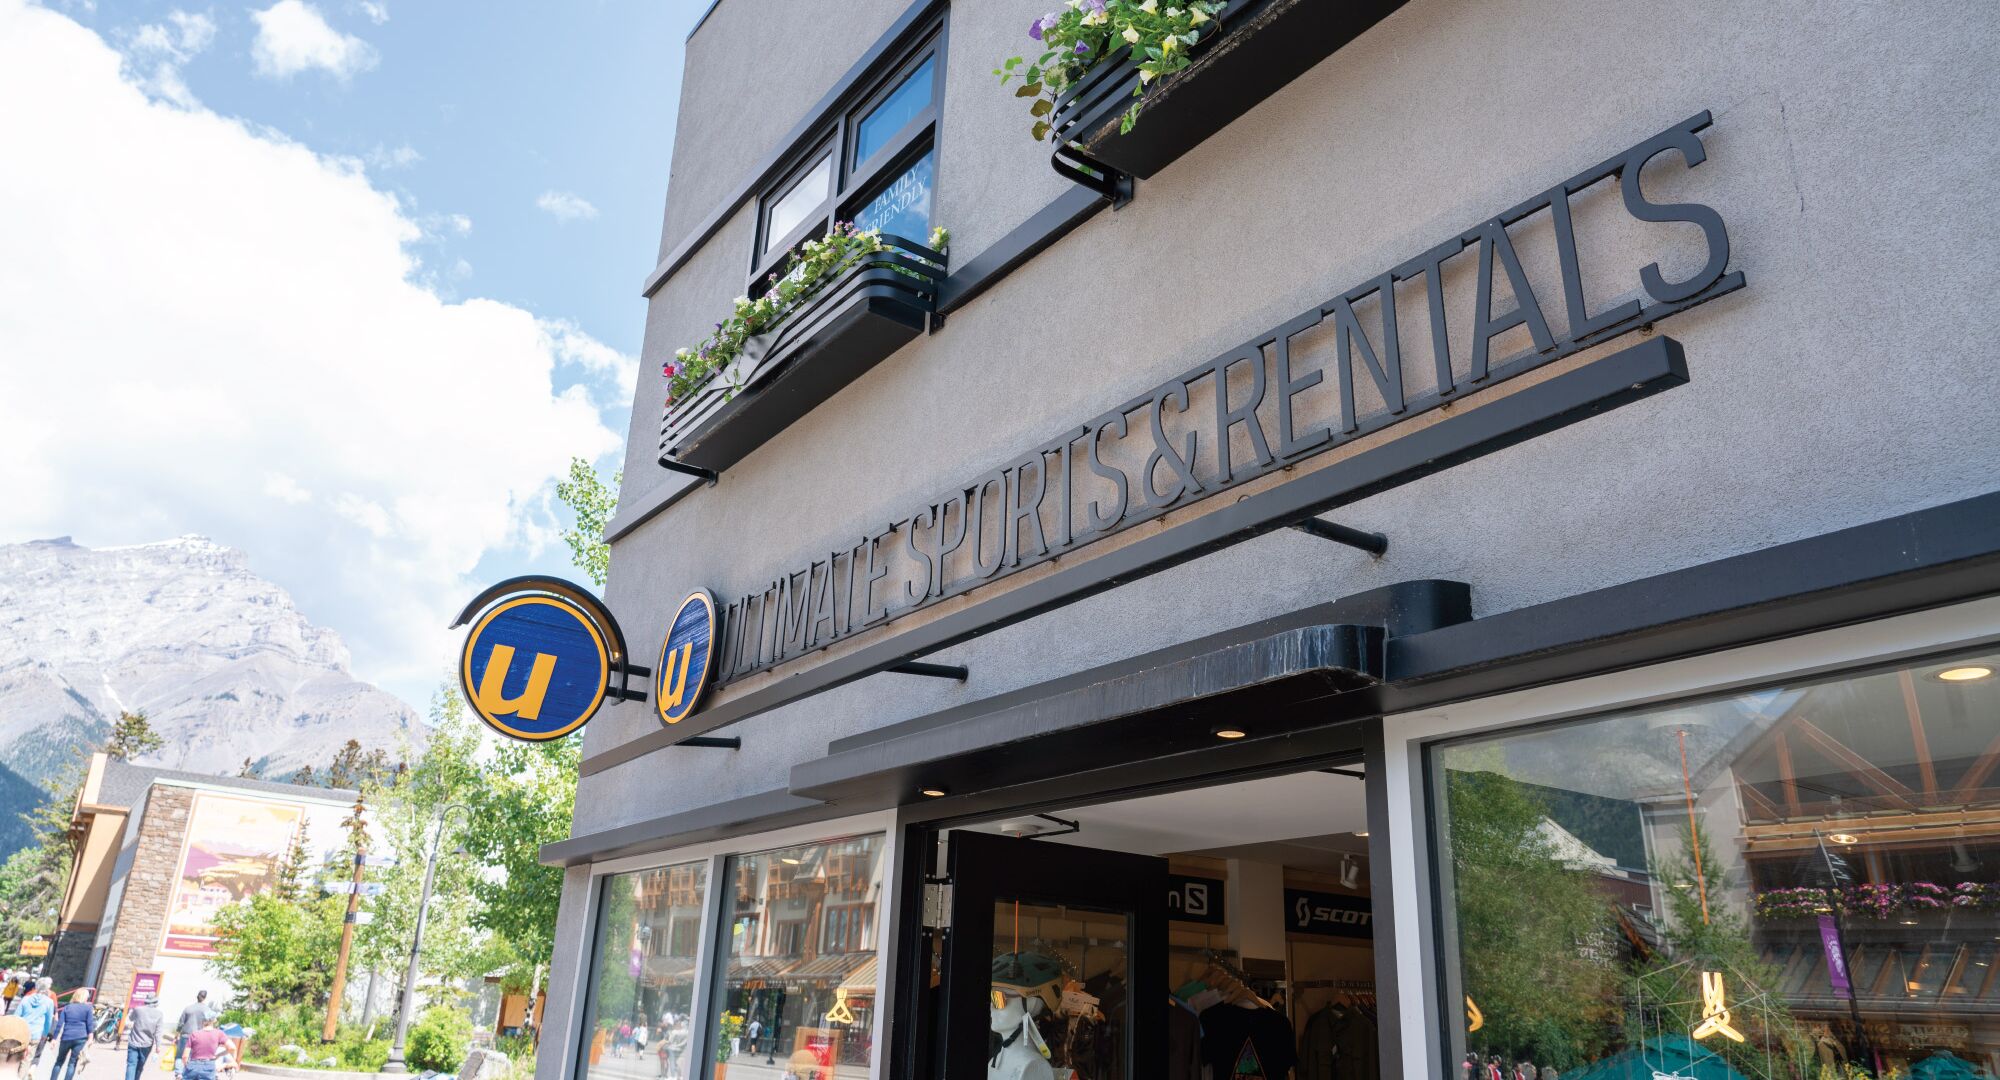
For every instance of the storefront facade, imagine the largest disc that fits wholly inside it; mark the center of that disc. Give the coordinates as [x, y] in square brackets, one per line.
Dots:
[1570, 644]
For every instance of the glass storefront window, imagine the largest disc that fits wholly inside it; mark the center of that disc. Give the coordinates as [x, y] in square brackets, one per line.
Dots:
[642, 991]
[1798, 882]
[797, 998]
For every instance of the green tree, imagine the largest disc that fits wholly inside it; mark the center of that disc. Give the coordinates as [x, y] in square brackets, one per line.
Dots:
[279, 953]
[526, 801]
[592, 501]
[132, 737]
[1533, 933]
[406, 807]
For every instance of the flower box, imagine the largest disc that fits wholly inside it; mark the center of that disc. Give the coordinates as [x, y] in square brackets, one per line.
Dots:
[847, 326]
[1263, 45]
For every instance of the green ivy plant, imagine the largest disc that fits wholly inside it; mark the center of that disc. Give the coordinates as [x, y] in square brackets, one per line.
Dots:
[817, 263]
[1086, 32]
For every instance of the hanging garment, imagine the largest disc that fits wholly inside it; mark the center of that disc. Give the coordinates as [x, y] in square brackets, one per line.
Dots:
[1183, 1043]
[1246, 1044]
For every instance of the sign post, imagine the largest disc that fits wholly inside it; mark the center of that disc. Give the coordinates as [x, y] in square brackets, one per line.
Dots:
[358, 827]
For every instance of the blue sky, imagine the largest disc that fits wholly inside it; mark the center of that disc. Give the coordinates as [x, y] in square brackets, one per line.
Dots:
[501, 102]
[341, 283]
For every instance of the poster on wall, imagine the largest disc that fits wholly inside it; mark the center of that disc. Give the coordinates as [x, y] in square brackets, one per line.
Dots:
[231, 852]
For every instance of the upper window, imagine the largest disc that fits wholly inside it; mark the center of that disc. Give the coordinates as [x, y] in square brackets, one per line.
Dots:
[792, 207]
[874, 165]
[909, 100]
[1800, 881]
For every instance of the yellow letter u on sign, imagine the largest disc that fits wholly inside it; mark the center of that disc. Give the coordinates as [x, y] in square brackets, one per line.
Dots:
[675, 676]
[528, 704]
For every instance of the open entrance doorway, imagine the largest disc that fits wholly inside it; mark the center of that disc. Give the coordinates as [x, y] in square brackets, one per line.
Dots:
[1221, 932]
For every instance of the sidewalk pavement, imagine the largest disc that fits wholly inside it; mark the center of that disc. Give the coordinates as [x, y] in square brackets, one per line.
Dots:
[100, 1062]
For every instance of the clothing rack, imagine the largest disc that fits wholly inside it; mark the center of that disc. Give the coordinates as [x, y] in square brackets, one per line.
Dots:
[1334, 984]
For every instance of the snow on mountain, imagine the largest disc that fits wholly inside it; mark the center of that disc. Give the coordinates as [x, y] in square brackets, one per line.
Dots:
[219, 659]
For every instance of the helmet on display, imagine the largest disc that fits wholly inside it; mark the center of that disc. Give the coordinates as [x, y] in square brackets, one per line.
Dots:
[1032, 975]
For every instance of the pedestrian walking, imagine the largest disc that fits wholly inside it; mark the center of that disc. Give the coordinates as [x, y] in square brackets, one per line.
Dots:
[72, 1033]
[37, 1009]
[140, 1035]
[202, 1047]
[9, 990]
[193, 1019]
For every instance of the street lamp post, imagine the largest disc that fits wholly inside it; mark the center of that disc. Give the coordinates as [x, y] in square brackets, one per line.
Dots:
[395, 1063]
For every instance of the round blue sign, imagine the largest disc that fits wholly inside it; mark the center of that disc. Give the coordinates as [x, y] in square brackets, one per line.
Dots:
[682, 674]
[535, 668]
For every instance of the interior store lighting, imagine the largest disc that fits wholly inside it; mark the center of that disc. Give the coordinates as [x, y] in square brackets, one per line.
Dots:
[1965, 673]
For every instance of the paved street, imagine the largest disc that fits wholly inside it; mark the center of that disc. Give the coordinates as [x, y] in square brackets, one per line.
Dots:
[100, 1063]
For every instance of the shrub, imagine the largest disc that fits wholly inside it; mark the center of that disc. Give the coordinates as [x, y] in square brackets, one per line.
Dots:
[438, 1039]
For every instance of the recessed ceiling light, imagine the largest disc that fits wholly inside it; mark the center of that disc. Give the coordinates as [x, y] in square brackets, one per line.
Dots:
[1966, 673]
[789, 861]
[1843, 838]
[1363, 832]
[1229, 733]
[933, 792]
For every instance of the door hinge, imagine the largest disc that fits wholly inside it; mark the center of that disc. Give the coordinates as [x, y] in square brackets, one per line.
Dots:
[937, 905]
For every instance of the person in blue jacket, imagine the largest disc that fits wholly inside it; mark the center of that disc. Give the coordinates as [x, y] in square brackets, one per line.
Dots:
[72, 1031]
[37, 1009]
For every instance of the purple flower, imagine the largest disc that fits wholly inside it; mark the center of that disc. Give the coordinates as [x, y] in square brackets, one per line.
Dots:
[1045, 23]
[1082, 49]
[1094, 5]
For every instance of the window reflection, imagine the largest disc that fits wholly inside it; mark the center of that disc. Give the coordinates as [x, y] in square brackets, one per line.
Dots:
[790, 210]
[899, 108]
[1796, 882]
[904, 207]
[643, 985]
[798, 993]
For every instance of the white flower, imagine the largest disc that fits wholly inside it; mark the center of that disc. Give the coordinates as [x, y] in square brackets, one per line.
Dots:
[1097, 18]
[1167, 45]
[1173, 13]
[1131, 35]
[1150, 6]
[1145, 76]
[1196, 16]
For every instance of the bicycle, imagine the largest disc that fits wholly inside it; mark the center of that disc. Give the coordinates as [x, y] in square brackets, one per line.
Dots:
[105, 1023]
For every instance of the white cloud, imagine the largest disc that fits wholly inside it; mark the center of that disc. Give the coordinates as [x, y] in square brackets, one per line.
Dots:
[566, 206]
[292, 36]
[377, 13]
[620, 373]
[285, 489]
[155, 53]
[400, 157]
[208, 328]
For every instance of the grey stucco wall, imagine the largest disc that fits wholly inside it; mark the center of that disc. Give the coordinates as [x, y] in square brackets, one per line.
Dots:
[1852, 158]
[1834, 390]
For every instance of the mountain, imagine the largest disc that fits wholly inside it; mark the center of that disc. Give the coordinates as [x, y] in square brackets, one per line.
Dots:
[219, 660]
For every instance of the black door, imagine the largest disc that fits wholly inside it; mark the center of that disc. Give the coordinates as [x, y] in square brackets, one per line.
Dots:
[1039, 908]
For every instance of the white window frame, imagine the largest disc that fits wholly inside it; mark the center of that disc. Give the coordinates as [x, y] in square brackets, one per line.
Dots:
[1406, 738]
[716, 854]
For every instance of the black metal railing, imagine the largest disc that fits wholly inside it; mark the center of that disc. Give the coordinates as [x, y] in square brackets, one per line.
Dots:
[852, 321]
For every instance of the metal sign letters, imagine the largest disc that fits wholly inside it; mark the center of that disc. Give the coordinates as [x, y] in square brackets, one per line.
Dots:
[1319, 381]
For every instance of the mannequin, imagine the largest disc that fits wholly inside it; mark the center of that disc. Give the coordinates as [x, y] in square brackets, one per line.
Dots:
[1023, 1055]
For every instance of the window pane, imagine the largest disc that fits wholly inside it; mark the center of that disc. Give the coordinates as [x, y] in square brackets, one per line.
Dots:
[644, 979]
[904, 207]
[1801, 881]
[899, 108]
[791, 208]
[798, 997]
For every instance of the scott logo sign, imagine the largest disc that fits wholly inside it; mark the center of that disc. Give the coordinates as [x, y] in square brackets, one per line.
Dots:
[1328, 914]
